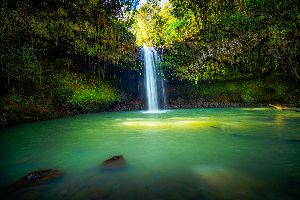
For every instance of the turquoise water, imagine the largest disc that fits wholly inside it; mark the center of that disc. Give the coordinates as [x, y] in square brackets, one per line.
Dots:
[180, 154]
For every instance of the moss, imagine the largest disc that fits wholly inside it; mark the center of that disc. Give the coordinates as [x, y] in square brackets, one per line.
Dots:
[83, 92]
[88, 98]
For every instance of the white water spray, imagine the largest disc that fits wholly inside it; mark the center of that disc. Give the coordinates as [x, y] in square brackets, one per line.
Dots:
[154, 83]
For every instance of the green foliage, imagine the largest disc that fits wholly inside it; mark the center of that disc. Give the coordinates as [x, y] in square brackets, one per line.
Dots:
[17, 98]
[56, 54]
[66, 93]
[38, 37]
[266, 90]
[224, 40]
[83, 92]
[47, 45]
[62, 94]
[22, 66]
[155, 25]
[101, 97]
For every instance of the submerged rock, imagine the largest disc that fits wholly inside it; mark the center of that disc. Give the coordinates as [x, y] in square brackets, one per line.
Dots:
[36, 177]
[115, 162]
[296, 140]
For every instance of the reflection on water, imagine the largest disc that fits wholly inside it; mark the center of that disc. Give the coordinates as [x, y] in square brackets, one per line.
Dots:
[186, 124]
[180, 154]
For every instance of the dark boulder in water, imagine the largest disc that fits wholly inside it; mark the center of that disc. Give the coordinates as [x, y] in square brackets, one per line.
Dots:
[36, 177]
[115, 162]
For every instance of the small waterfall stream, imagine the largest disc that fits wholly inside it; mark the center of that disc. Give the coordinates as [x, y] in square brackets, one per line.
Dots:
[154, 84]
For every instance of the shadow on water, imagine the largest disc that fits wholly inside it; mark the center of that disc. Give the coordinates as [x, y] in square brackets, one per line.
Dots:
[202, 182]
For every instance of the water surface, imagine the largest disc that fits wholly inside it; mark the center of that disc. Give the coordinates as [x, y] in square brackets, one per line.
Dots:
[180, 154]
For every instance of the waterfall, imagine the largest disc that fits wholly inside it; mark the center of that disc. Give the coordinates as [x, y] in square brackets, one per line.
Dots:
[154, 83]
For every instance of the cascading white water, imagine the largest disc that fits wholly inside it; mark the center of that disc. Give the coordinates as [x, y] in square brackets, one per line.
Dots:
[153, 80]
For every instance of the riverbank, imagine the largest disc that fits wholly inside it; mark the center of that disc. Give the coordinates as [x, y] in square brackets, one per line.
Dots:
[86, 97]
[13, 119]
[201, 103]
[180, 103]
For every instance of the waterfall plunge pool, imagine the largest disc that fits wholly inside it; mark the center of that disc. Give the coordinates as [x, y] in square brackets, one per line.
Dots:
[179, 154]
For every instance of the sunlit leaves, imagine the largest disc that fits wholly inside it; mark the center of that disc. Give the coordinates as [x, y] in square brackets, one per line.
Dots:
[233, 39]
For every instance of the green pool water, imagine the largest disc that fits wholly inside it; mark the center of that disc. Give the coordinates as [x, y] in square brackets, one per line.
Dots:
[180, 154]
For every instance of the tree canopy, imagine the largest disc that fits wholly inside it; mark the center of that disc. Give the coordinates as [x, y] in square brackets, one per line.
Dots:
[217, 40]
[38, 37]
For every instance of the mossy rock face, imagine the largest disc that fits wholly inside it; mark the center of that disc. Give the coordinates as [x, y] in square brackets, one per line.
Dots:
[35, 178]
